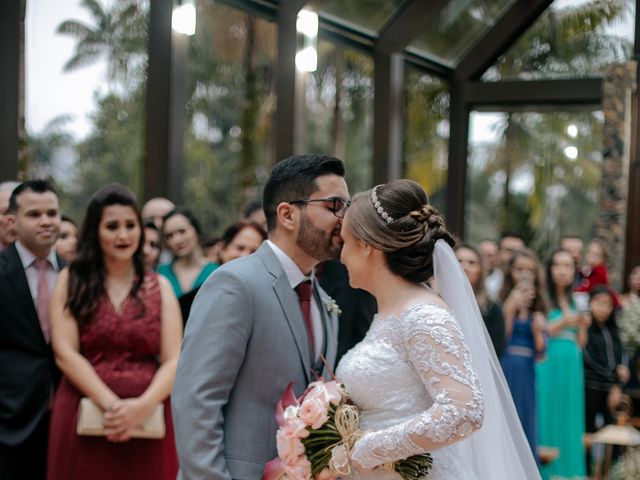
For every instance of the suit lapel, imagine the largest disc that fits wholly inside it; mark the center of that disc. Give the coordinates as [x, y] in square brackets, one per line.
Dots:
[290, 306]
[18, 282]
[329, 324]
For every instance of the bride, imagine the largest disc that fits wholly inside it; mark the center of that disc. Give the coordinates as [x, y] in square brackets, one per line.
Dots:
[424, 377]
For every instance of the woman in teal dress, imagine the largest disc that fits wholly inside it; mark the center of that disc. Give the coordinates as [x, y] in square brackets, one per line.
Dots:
[560, 378]
[189, 268]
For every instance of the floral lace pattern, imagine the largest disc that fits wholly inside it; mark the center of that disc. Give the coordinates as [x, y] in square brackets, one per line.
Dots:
[414, 381]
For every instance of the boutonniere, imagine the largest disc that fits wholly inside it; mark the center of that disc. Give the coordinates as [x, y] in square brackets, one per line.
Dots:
[331, 306]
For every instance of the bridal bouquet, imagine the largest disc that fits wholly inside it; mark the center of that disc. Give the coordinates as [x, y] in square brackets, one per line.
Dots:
[317, 432]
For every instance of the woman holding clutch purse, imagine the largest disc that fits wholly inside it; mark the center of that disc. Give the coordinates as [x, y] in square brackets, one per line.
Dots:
[116, 333]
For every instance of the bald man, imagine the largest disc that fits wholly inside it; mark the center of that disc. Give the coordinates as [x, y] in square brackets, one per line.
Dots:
[7, 231]
[156, 208]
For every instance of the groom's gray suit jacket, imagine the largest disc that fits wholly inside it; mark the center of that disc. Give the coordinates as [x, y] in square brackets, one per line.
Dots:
[245, 341]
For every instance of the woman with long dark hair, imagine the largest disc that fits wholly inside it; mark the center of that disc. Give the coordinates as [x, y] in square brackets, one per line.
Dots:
[491, 310]
[560, 379]
[190, 268]
[525, 308]
[116, 332]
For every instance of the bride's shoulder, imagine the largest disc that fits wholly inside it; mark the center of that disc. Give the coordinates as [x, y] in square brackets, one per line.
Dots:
[427, 312]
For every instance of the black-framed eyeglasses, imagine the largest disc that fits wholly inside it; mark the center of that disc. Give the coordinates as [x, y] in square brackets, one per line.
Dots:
[338, 205]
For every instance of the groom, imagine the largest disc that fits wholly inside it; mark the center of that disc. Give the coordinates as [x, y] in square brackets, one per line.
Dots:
[259, 323]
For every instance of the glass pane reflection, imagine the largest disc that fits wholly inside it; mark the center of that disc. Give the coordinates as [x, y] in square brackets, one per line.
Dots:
[454, 29]
[364, 14]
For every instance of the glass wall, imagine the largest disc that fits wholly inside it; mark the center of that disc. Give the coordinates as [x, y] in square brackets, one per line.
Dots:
[426, 147]
[572, 38]
[339, 110]
[231, 102]
[536, 173]
[85, 95]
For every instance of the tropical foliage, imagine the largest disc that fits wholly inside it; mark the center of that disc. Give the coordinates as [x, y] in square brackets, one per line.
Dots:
[526, 182]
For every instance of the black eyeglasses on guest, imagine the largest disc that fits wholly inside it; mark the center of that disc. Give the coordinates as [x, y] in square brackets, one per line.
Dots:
[338, 205]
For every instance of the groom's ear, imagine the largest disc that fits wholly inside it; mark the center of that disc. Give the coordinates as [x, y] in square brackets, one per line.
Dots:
[286, 216]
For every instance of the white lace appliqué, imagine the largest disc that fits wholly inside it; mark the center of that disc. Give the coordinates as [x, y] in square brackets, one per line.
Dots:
[430, 377]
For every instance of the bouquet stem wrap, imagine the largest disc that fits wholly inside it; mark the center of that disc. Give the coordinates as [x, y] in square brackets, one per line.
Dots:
[347, 422]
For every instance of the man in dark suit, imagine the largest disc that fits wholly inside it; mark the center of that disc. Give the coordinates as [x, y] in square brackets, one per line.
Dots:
[357, 306]
[28, 269]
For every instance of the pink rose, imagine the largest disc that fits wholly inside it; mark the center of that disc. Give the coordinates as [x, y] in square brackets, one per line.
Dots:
[334, 392]
[289, 448]
[294, 427]
[313, 412]
[329, 392]
[299, 470]
[326, 474]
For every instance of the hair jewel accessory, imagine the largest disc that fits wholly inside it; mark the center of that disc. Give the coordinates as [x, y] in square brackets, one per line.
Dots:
[376, 204]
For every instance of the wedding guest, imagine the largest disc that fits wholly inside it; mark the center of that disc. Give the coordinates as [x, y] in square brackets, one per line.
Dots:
[7, 231]
[489, 254]
[241, 239]
[152, 246]
[524, 307]
[116, 333]
[631, 289]
[595, 271]
[490, 309]
[211, 249]
[255, 213]
[67, 242]
[560, 378]
[155, 210]
[574, 245]
[189, 269]
[509, 244]
[604, 370]
[28, 375]
[357, 306]
[629, 328]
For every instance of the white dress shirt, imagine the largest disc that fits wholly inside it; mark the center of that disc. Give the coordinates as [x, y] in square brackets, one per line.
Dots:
[295, 277]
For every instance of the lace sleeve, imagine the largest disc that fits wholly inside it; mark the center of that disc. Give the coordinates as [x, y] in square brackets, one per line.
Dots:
[437, 350]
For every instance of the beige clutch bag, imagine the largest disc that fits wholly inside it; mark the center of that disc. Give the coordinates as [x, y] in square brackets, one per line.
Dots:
[91, 417]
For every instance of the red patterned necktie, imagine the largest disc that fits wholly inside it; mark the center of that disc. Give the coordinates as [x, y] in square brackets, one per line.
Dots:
[305, 291]
[44, 294]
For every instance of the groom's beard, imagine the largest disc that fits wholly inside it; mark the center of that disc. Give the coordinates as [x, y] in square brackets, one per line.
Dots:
[317, 243]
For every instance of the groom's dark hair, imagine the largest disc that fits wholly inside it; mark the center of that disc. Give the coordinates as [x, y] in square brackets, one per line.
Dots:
[295, 179]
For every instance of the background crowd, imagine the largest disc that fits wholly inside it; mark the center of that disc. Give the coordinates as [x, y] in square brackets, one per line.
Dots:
[567, 341]
[569, 344]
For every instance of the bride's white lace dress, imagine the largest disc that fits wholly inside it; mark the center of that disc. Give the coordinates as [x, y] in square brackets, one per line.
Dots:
[414, 383]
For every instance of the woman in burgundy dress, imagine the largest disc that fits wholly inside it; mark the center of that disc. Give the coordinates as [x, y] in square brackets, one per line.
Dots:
[116, 333]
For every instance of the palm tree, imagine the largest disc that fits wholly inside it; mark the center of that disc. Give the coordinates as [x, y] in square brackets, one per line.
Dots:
[563, 43]
[117, 34]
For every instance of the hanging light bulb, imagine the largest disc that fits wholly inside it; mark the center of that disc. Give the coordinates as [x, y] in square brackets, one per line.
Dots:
[183, 18]
[307, 28]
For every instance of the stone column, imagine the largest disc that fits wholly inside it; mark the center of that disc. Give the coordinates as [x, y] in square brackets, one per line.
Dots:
[618, 88]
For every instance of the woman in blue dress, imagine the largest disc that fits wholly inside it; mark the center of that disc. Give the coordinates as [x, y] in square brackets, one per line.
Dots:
[524, 311]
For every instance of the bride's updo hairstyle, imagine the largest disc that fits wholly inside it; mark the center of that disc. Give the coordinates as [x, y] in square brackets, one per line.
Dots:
[397, 219]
